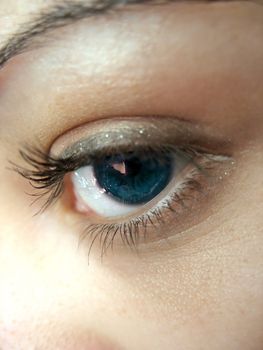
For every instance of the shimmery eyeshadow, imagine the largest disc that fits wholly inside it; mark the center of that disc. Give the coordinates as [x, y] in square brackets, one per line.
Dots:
[138, 131]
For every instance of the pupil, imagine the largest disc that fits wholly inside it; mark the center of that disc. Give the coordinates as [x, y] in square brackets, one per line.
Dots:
[132, 180]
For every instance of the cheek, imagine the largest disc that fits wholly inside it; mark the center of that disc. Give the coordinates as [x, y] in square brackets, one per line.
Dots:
[211, 288]
[49, 291]
[49, 297]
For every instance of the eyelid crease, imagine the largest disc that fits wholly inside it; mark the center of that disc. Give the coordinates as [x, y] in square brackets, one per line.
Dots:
[104, 135]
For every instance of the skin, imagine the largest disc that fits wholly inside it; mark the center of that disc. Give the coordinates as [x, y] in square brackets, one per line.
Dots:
[201, 62]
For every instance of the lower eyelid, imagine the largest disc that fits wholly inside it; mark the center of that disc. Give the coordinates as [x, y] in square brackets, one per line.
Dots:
[179, 207]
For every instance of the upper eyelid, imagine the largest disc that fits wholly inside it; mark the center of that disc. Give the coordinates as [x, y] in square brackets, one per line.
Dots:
[98, 136]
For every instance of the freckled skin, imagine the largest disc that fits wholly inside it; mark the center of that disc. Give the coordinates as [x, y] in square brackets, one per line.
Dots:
[205, 289]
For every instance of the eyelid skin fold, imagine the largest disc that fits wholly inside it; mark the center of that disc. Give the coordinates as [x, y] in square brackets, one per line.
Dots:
[104, 135]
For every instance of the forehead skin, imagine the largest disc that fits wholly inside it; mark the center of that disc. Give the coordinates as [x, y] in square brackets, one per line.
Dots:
[206, 294]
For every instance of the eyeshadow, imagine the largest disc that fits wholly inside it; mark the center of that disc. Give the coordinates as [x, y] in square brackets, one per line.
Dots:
[102, 135]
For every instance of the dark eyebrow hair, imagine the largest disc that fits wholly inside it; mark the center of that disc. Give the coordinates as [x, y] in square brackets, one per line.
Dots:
[66, 13]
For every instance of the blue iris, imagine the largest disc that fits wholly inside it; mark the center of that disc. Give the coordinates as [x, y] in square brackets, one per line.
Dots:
[131, 179]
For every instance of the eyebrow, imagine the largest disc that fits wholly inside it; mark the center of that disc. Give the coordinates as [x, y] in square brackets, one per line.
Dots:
[67, 13]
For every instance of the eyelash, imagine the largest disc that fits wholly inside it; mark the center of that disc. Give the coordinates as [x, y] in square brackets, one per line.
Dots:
[131, 230]
[47, 177]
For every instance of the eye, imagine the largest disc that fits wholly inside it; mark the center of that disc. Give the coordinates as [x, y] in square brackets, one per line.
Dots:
[129, 178]
[121, 184]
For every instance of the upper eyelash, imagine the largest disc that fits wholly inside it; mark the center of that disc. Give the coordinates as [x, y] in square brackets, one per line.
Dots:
[46, 173]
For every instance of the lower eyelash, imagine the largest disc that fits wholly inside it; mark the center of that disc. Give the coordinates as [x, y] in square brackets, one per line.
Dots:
[131, 231]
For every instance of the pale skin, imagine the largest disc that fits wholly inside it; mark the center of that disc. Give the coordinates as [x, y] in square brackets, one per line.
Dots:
[202, 62]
